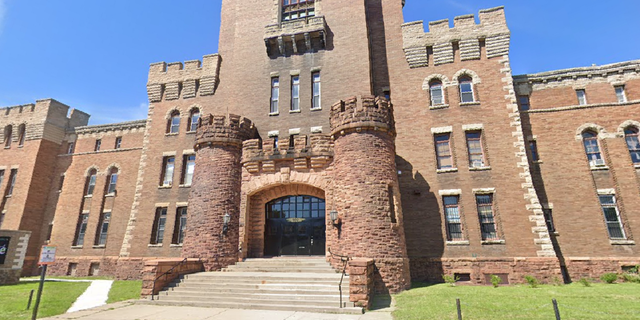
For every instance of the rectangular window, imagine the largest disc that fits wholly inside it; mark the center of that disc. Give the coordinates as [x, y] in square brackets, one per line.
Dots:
[60, 185]
[118, 143]
[180, 225]
[612, 216]
[548, 218]
[91, 184]
[12, 181]
[315, 103]
[533, 147]
[70, 147]
[160, 221]
[104, 228]
[113, 180]
[275, 94]
[474, 146]
[452, 218]
[295, 93]
[1, 176]
[443, 151]
[582, 97]
[524, 102]
[620, 94]
[484, 203]
[188, 165]
[167, 171]
[2, 214]
[296, 9]
[82, 229]
[98, 143]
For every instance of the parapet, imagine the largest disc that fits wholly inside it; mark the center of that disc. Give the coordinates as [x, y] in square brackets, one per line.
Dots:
[227, 129]
[129, 126]
[493, 30]
[191, 79]
[366, 113]
[315, 150]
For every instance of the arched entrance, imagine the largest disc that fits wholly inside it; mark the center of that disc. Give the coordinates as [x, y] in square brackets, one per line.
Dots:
[295, 225]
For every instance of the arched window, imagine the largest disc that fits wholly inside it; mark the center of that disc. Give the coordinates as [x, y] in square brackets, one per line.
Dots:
[7, 136]
[193, 119]
[592, 148]
[21, 135]
[112, 180]
[91, 182]
[173, 125]
[631, 136]
[466, 89]
[436, 92]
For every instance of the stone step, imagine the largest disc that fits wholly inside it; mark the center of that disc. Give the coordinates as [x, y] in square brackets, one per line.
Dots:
[259, 286]
[239, 280]
[274, 296]
[261, 299]
[267, 276]
[234, 290]
[288, 269]
[280, 306]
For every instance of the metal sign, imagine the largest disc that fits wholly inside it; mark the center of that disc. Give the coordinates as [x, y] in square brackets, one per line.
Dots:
[47, 255]
[4, 248]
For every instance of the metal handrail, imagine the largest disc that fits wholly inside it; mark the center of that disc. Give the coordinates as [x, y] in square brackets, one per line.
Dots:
[344, 260]
[179, 264]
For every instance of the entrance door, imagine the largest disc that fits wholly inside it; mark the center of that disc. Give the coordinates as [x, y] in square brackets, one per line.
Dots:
[295, 225]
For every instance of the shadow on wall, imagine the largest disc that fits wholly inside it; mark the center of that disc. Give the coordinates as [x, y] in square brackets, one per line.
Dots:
[423, 224]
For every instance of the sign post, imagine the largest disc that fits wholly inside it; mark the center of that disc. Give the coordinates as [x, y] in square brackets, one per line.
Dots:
[47, 257]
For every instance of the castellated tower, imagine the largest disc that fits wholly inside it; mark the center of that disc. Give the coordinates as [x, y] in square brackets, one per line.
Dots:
[215, 190]
[366, 189]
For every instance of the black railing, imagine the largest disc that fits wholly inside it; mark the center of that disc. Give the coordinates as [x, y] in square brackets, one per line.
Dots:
[168, 272]
[345, 260]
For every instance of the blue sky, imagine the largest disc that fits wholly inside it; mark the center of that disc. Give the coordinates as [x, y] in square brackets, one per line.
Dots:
[94, 54]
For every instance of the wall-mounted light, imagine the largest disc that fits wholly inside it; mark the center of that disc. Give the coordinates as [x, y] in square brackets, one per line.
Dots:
[335, 220]
[225, 220]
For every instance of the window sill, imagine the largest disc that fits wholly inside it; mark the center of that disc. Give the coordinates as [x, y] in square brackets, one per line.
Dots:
[473, 103]
[165, 186]
[447, 170]
[8, 196]
[20, 146]
[315, 109]
[184, 186]
[294, 111]
[175, 245]
[599, 168]
[492, 242]
[274, 114]
[537, 162]
[76, 247]
[191, 132]
[88, 196]
[622, 242]
[9, 147]
[637, 166]
[171, 134]
[154, 245]
[484, 168]
[458, 243]
[439, 106]
[110, 195]
[100, 246]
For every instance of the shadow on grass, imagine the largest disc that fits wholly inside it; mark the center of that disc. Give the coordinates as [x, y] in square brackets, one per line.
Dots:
[416, 285]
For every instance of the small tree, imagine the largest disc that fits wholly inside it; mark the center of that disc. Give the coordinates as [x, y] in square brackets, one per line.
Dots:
[495, 280]
[532, 281]
[451, 280]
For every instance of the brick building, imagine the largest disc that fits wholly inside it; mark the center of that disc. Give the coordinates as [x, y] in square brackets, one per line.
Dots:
[327, 127]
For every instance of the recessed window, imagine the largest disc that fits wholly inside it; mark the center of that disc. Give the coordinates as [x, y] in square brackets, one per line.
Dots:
[180, 225]
[443, 151]
[523, 101]
[436, 92]
[60, 185]
[592, 148]
[533, 148]
[21, 135]
[188, 166]
[452, 218]
[633, 143]
[91, 182]
[548, 218]
[275, 95]
[297, 9]
[97, 145]
[611, 216]
[315, 102]
[484, 203]
[168, 165]
[103, 229]
[295, 93]
[474, 146]
[173, 125]
[620, 94]
[193, 119]
[466, 89]
[582, 97]
[112, 180]
[7, 135]
[12, 181]
[118, 143]
[81, 229]
[2, 214]
[157, 234]
[70, 147]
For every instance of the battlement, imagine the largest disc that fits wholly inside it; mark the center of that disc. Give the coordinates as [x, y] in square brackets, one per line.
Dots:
[315, 150]
[174, 80]
[120, 126]
[224, 129]
[418, 45]
[368, 112]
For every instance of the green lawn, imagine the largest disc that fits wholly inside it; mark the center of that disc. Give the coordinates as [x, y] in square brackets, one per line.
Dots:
[600, 301]
[125, 290]
[57, 297]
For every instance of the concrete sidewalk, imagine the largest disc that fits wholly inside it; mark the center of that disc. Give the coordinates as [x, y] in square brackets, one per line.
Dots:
[129, 310]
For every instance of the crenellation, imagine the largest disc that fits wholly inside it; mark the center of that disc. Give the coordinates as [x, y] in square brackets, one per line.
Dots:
[314, 145]
[197, 77]
[368, 112]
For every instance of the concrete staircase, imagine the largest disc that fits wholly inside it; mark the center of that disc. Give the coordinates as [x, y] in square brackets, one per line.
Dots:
[282, 283]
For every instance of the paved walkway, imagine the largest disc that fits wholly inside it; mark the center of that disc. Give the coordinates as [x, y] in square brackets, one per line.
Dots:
[96, 295]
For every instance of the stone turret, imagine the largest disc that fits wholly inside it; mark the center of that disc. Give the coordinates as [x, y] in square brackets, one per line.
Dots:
[215, 191]
[366, 193]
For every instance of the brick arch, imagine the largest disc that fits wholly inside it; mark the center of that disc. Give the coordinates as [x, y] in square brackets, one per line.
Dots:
[602, 133]
[266, 181]
[475, 79]
[441, 77]
[167, 116]
[627, 124]
[93, 167]
[113, 165]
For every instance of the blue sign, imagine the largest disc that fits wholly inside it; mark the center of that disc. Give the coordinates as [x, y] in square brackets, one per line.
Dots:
[4, 248]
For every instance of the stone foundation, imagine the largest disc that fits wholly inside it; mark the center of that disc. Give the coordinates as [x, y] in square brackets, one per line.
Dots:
[9, 276]
[361, 282]
[154, 271]
[593, 268]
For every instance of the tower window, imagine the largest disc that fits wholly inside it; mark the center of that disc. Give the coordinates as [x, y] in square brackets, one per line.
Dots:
[315, 103]
[295, 93]
[275, 94]
[297, 9]
[582, 97]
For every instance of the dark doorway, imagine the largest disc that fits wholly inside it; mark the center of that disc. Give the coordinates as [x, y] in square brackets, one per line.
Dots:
[295, 225]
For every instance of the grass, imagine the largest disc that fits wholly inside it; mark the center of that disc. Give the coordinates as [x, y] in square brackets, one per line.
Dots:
[600, 301]
[57, 297]
[124, 290]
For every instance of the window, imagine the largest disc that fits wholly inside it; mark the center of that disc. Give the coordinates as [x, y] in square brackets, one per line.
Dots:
[1, 176]
[295, 93]
[188, 165]
[592, 149]
[466, 89]
[173, 125]
[474, 146]
[91, 182]
[485, 214]
[7, 136]
[436, 92]
[315, 100]
[2, 214]
[167, 172]
[548, 218]
[275, 93]
[180, 226]
[631, 136]
[582, 97]
[157, 234]
[443, 151]
[292, 141]
[70, 147]
[61, 184]
[101, 238]
[81, 229]
[12, 181]
[611, 216]
[533, 147]
[112, 180]
[452, 218]
[193, 119]
[297, 9]
[523, 101]
[620, 94]
[118, 143]
[21, 135]
[98, 144]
